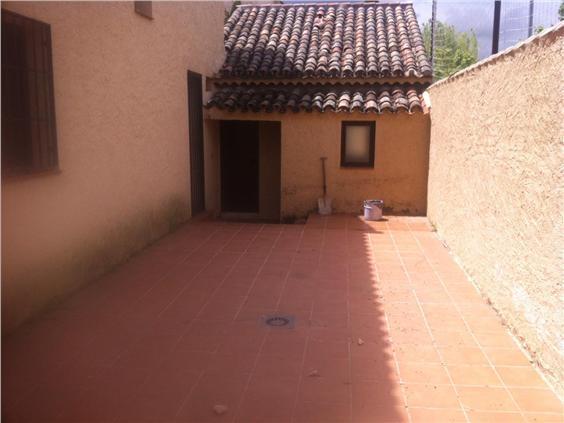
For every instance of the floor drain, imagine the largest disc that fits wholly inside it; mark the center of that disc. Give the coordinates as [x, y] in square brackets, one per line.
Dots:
[279, 321]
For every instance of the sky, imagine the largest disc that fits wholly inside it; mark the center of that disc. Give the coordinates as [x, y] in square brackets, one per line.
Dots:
[477, 15]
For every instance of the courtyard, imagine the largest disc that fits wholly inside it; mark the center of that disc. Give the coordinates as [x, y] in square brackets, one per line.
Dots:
[337, 320]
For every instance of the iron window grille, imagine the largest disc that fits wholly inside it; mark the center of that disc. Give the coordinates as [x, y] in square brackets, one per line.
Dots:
[29, 137]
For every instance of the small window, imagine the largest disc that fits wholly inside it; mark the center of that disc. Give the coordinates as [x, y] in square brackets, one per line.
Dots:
[357, 144]
[29, 141]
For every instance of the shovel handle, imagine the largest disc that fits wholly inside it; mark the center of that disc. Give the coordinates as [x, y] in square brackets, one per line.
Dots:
[324, 178]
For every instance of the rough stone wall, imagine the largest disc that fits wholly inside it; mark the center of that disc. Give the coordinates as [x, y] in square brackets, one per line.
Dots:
[399, 176]
[495, 187]
[122, 124]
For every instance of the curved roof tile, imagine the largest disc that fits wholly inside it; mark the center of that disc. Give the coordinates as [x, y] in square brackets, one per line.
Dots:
[365, 98]
[324, 40]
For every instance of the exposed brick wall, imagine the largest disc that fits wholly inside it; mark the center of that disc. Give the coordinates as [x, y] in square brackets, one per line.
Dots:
[495, 183]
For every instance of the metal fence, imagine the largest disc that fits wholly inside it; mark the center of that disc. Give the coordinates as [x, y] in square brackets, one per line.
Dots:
[459, 32]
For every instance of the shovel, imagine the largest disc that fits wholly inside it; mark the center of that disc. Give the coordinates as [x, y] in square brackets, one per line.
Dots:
[324, 203]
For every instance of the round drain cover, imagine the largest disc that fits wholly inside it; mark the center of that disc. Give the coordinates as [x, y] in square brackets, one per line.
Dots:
[277, 321]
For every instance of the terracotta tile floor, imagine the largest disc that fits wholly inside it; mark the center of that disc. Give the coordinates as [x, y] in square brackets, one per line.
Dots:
[386, 329]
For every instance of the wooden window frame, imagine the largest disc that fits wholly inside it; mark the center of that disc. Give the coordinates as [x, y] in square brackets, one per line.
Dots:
[39, 120]
[371, 146]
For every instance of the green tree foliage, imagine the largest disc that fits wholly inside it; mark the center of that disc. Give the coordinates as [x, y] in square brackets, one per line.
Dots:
[561, 11]
[454, 50]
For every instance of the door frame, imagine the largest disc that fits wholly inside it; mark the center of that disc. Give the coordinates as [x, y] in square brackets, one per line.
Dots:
[196, 145]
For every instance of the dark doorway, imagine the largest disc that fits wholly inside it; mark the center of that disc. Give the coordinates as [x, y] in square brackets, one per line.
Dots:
[196, 134]
[239, 145]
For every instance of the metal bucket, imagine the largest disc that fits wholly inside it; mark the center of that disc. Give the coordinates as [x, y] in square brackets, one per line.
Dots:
[373, 209]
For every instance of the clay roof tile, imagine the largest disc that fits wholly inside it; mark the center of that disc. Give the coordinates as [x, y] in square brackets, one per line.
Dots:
[344, 40]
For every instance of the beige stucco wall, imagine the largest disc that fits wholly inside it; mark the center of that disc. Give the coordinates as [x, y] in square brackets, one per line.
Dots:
[495, 187]
[399, 176]
[121, 108]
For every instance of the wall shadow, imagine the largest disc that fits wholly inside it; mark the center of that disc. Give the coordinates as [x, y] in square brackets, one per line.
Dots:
[376, 393]
[179, 329]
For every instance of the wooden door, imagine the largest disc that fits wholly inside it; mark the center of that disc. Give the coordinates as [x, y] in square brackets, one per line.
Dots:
[196, 133]
[239, 148]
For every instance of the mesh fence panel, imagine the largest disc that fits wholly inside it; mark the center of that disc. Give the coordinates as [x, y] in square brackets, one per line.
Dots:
[463, 29]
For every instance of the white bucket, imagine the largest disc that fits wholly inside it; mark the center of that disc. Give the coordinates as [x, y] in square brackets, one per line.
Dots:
[373, 209]
[324, 205]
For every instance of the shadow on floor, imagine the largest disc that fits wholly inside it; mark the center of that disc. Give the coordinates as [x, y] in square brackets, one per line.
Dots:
[178, 333]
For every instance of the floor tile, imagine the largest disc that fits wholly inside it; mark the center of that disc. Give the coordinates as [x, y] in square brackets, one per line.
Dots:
[495, 339]
[179, 330]
[241, 344]
[494, 417]
[521, 376]
[209, 393]
[423, 373]
[486, 398]
[427, 415]
[265, 409]
[537, 400]
[322, 412]
[374, 398]
[478, 323]
[327, 349]
[323, 389]
[48, 404]
[429, 395]
[284, 344]
[417, 353]
[337, 368]
[545, 417]
[506, 357]
[364, 368]
[369, 413]
[283, 387]
[224, 365]
[480, 375]
[453, 338]
[463, 355]
[276, 367]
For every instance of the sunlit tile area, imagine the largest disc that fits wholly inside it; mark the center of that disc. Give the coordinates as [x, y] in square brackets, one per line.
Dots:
[369, 322]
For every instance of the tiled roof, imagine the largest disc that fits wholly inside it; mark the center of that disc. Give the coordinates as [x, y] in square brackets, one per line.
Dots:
[345, 47]
[319, 97]
[337, 40]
